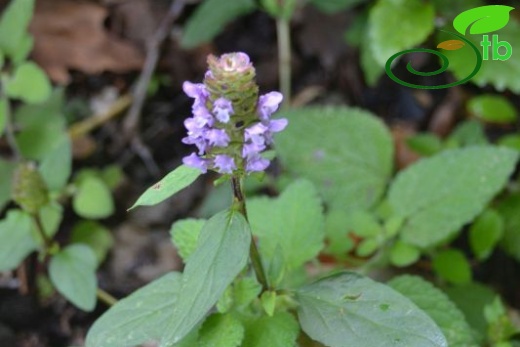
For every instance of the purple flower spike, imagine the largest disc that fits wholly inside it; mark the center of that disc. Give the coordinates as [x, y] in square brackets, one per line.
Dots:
[223, 109]
[193, 160]
[197, 91]
[277, 125]
[268, 104]
[251, 149]
[256, 164]
[217, 137]
[224, 163]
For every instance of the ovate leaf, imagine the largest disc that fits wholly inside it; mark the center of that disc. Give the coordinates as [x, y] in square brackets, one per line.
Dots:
[173, 182]
[349, 307]
[438, 195]
[452, 266]
[72, 271]
[42, 127]
[93, 199]
[94, 235]
[483, 19]
[141, 317]
[56, 166]
[221, 330]
[280, 330]
[185, 234]
[439, 307]
[414, 18]
[211, 17]
[509, 208]
[292, 222]
[222, 252]
[329, 146]
[17, 240]
[13, 24]
[493, 108]
[29, 83]
[485, 233]
[402, 254]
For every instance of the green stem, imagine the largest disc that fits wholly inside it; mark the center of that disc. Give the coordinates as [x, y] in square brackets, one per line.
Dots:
[47, 242]
[284, 58]
[240, 202]
[106, 297]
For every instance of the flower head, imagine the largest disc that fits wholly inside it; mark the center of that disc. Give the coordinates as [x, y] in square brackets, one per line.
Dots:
[231, 124]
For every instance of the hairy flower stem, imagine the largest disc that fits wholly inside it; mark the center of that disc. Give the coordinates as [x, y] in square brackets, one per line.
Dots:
[284, 58]
[239, 200]
[47, 242]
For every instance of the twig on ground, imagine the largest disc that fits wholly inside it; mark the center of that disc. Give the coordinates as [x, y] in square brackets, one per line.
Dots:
[132, 118]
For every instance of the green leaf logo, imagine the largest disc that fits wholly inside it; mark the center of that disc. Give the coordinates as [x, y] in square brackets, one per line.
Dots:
[483, 19]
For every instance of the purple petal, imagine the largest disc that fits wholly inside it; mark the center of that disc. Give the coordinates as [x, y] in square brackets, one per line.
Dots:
[224, 163]
[256, 164]
[217, 137]
[252, 149]
[193, 160]
[223, 109]
[277, 125]
[268, 104]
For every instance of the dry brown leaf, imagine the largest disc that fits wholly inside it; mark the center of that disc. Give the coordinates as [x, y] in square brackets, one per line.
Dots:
[70, 35]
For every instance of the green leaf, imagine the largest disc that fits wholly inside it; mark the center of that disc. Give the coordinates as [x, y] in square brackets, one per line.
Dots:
[331, 6]
[56, 166]
[93, 199]
[336, 229]
[245, 290]
[402, 254]
[483, 19]
[280, 330]
[221, 330]
[510, 141]
[500, 74]
[94, 235]
[349, 307]
[295, 224]
[364, 224]
[42, 127]
[471, 299]
[509, 208]
[485, 233]
[25, 47]
[424, 144]
[140, 317]
[222, 252]
[414, 18]
[492, 108]
[29, 83]
[185, 234]
[211, 17]
[73, 272]
[4, 109]
[268, 301]
[367, 247]
[173, 182]
[7, 169]
[17, 240]
[51, 216]
[279, 9]
[439, 307]
[370, 66]
[467, 134]
[349, 171]
[452, 266]
[438, 195]
[13, 24]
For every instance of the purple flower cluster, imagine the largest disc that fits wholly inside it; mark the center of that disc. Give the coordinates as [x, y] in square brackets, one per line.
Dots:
[222, 145]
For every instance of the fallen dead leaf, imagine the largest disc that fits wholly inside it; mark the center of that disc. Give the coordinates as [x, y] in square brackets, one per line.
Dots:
[70, 35]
